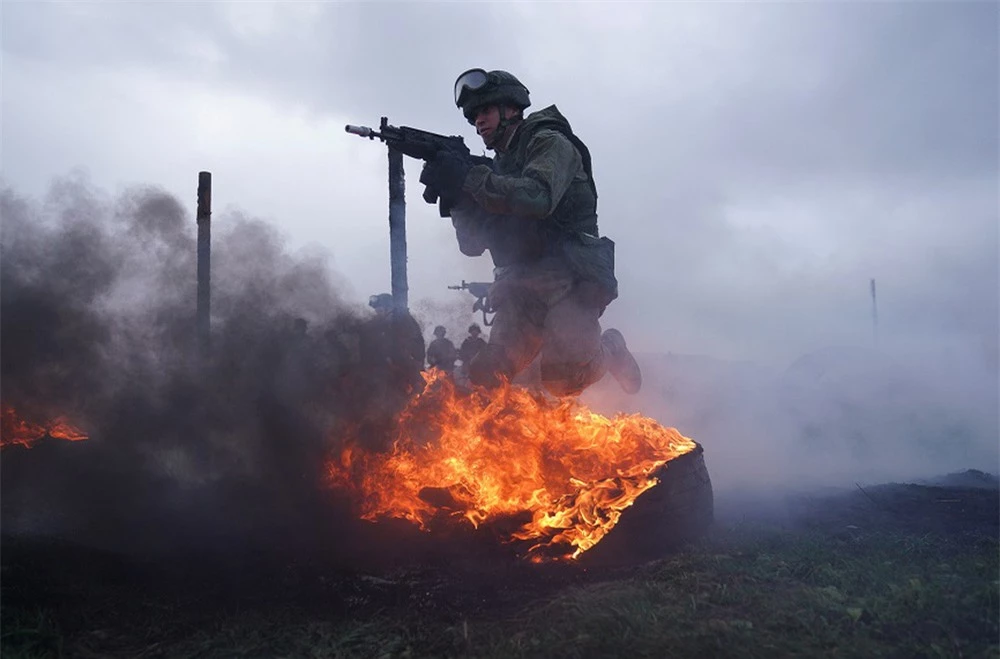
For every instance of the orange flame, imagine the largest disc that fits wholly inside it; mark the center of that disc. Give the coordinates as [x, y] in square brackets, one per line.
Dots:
[17, 431]
[509, 452]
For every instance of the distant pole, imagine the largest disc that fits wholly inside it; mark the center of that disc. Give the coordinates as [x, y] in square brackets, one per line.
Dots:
[397, 229]
[874, 315]
[204, 258]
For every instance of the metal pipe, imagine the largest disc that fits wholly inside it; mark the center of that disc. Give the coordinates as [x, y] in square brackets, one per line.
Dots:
[204, 258]
[397, 230]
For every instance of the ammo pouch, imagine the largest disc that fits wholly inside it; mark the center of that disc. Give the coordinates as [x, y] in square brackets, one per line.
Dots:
[592, 261]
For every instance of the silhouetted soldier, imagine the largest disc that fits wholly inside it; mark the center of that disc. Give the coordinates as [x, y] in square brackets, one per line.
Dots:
[441, 352]
[471, 345]
[392, 342]
[391, 347]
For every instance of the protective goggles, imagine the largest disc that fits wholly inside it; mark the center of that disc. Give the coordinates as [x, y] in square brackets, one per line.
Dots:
[471, 81]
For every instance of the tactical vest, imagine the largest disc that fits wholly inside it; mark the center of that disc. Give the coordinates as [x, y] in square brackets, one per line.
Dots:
[517, 240]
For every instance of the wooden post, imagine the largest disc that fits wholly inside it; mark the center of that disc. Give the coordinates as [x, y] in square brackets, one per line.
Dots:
[397, 230]
[204, 259]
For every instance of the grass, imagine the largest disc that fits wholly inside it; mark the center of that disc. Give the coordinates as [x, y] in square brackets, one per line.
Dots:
[750, 589]
[891, 571]
[756, 592]
[29, 634]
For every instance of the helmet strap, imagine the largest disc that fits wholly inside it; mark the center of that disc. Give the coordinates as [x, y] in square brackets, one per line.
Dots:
[506, 129]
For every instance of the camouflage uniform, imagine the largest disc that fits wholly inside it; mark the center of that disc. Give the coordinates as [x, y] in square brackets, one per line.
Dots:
[537, 197]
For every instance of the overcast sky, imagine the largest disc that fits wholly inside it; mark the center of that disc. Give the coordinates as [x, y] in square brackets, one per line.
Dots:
[757, 163]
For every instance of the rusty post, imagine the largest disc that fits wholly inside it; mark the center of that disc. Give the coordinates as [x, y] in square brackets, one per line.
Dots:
[204, 258]
[397, 230]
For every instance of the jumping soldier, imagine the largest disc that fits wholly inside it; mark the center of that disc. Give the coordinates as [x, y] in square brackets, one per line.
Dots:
[535, 210]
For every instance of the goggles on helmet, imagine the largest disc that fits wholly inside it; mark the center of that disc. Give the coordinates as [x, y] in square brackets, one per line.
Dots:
[470, 81]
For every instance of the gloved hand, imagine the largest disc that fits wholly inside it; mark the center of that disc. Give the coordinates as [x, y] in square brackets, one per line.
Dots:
[428, 178]
[445, 175]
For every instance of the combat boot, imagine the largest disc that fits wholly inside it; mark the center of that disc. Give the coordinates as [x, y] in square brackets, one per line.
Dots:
[621, 363]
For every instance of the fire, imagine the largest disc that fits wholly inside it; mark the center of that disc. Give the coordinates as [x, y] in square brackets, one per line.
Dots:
[510, 453]
[15, 430]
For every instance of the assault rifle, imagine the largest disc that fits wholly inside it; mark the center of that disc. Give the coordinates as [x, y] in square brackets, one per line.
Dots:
[421, 145]
[479, 289]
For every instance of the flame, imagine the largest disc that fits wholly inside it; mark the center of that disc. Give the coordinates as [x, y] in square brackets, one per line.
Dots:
[510, 453]
[15, 430]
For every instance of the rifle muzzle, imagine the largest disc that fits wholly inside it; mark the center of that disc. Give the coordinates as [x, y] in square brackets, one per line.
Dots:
[363, 131]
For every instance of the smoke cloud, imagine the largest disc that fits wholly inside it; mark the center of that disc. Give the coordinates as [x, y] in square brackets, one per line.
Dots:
[97, 315]
[98, 325]
[835, 416]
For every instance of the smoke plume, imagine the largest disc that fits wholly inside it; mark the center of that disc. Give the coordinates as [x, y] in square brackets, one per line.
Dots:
[98, 325]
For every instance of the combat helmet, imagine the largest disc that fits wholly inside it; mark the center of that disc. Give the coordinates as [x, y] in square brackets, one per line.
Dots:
[476, 88]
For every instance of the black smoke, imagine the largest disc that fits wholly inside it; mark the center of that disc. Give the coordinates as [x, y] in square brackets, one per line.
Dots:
[97, 319]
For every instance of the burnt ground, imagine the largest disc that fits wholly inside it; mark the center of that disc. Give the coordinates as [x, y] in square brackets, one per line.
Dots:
[890, 570]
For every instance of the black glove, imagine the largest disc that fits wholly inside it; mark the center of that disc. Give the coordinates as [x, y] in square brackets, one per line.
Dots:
[431, 194]
[445, 175]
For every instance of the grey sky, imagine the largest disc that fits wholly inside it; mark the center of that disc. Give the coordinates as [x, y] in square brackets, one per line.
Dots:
[756, 162]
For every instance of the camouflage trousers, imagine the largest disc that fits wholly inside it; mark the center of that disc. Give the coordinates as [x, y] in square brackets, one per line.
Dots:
[539, 313]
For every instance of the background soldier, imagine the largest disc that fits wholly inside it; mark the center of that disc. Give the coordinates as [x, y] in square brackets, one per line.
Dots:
[441, 352]
[471, 346]
[392, 345]
[535, 209]
[391, 351]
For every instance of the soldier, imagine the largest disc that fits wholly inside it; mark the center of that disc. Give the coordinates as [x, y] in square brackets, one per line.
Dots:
[388, 373]
[392, 344]
[441, 352]
[535, 209]
[471, 346]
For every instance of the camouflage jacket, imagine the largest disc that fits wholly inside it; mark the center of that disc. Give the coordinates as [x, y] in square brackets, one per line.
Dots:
[538, 191]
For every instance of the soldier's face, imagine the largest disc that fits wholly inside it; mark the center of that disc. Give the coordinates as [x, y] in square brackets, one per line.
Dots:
[487, 122]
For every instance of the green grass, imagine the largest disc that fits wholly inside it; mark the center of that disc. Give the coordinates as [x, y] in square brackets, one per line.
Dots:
[29, 634]
[749, 590]
[757, 592]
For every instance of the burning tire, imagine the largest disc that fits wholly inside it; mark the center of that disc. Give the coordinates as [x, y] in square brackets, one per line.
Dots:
[547, 479]
[679, 510]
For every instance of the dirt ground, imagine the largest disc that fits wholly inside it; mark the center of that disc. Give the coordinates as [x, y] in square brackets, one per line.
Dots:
[891, 570]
